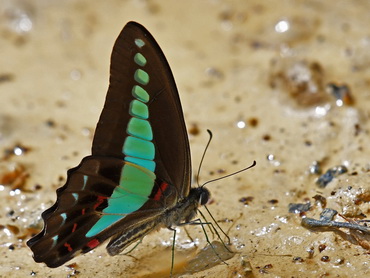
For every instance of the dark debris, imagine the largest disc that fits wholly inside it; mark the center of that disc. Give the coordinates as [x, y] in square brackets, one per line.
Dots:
[330, 174]
[298, 208]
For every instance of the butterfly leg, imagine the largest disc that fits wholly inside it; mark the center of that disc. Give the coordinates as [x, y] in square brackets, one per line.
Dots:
[199, 222]
[188, 235]
[213, 230]
[133, 248]
[214, 220]
[173, 249]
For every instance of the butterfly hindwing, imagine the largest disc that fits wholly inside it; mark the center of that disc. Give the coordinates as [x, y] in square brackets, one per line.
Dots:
[140, 163]
[77, 209]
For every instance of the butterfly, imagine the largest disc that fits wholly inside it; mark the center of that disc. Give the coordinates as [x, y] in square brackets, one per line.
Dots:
[137, 178]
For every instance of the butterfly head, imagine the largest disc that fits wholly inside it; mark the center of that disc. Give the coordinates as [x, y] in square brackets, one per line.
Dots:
[204, 197]
[201, 194]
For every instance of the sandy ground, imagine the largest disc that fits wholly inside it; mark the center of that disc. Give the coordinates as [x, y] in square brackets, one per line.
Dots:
[285, 83]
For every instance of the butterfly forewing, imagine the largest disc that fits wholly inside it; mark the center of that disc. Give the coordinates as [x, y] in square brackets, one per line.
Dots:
[165, 112]
[140, 163]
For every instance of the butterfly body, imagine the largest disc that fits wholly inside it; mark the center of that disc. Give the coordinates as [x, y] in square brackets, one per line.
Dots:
[182, 213]
[137, 179]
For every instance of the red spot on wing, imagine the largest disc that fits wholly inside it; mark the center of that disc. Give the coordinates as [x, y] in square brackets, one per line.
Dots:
[74, 227]
[83, 211]
[69, 247]
[160, 191]
[100, 201]
[93, 243]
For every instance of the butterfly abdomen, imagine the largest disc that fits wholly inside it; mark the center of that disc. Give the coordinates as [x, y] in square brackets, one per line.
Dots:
[119, 242]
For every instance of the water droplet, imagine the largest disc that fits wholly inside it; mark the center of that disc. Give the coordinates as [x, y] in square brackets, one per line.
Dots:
[282, 26]
[18, 150]
[24, 23]
[270, 157]
[339, 102]
[19, 17]
[241, 124]
[321, 111]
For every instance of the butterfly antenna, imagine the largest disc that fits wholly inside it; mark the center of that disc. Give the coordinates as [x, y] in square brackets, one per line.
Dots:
[204, 154]
[232, 174]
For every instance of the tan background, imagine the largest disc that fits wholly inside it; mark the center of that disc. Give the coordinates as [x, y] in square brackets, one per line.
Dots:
[231, 66]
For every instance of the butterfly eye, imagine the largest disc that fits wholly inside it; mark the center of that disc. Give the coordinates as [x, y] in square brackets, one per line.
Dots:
[204, 197]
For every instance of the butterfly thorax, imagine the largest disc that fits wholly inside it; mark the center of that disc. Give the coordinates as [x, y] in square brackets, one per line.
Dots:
[186, 209]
